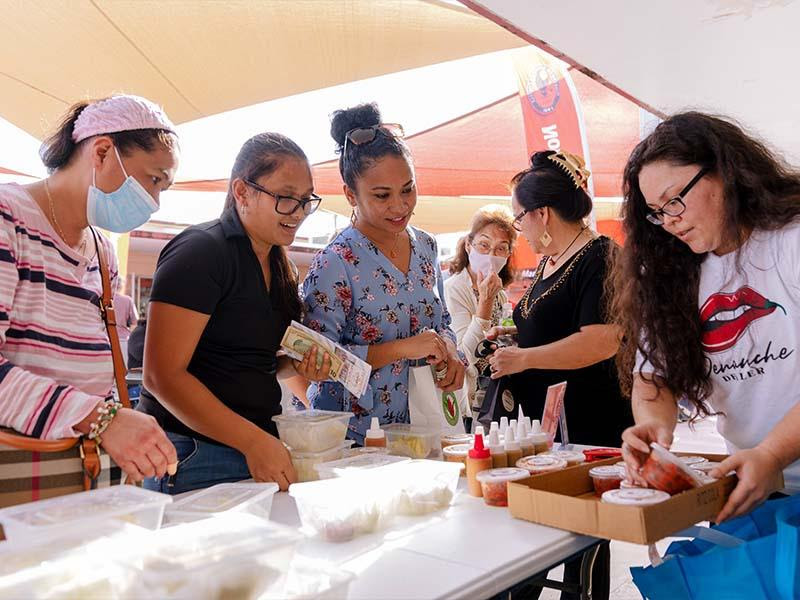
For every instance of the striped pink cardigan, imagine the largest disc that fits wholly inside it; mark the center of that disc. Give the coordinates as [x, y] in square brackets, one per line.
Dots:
[55, 358]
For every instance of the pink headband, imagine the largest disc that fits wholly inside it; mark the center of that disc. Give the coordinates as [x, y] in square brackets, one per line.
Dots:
[120, 113]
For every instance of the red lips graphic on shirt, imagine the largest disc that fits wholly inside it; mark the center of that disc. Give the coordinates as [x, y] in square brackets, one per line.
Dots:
[726, 317]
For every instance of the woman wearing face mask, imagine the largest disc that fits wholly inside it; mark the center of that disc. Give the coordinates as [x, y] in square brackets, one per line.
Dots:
[377, 288]
[560, 321]
[706, 293]
[108, 162]
[223, 294]
[474, 293]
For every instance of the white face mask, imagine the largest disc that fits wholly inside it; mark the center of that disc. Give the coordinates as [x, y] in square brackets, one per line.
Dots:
[482, 264]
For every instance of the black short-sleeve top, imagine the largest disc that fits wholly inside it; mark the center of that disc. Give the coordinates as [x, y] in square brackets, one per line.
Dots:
[212, 269]
[554, 308]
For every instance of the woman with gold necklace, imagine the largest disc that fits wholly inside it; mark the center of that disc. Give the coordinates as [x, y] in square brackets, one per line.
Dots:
[560, 321]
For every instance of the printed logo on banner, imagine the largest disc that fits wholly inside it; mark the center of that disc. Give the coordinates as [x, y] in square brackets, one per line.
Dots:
[450, 408]
[543, 90]
[508, 401]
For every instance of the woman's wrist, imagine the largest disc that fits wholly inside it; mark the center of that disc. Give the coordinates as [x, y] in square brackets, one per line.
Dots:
[85, 425]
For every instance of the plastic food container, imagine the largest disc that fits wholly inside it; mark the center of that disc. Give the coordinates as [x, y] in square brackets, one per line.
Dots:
[305, 463]
[536, 465]
[635, 496]
[249, 497]
[457, 453]
[705, 467]
[311, 579]
[365, 450]
[606, 477]
[235, 555]
[312, 430]
[572, 458]
[693, 461]
[414, 442]
[704, 478]
[494, 484]
[593, 454]
[123, 502]
[419, 487]
[339, 509]
[627, 485]
[542, 441]
[451, 439]
[666, 472]
[356, 464]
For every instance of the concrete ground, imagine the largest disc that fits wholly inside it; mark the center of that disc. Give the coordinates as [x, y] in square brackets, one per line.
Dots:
[704, 438]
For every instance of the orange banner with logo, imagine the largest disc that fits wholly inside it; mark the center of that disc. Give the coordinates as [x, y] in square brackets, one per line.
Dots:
[551, 108]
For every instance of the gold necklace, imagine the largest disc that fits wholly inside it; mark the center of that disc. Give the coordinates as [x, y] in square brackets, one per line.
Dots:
[82, 247]
[526, 306]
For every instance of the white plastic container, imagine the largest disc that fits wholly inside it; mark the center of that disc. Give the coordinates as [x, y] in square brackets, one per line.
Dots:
[419, 487]
[339, 509]
[494, 484]
[573, 458]
[311, 579]
[305, 463]
[312, 430]
[249, 497]
[635, 496]
[537, 464]
[356, 464]
[124, 502]
[403, 439]
[234, 555]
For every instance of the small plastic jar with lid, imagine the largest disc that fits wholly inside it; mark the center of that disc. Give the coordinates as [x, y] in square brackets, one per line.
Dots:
[606, 477]
[635, 496]
[572, 458]
[693, 461]
[457, 453]
[666, 472]
[494, 484]
[451, 439]
[536, 465]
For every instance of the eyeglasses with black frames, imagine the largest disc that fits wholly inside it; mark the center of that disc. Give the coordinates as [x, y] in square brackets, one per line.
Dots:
[287, 205]
[674, 207]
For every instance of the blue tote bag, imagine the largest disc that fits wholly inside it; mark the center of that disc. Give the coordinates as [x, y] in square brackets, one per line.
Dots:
[753, 557]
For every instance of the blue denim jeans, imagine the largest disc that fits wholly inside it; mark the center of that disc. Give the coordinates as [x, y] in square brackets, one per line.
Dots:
[200, 465]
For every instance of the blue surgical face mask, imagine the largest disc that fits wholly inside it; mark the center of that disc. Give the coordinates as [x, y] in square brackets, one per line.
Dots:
[122, 210]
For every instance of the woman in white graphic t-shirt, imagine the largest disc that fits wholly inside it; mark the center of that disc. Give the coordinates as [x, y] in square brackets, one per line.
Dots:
[706, 292]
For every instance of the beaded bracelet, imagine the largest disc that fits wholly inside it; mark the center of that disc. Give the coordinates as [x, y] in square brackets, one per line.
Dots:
[107, 412]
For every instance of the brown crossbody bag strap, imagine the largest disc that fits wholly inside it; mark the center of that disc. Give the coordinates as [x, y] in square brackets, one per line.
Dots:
[88, 448]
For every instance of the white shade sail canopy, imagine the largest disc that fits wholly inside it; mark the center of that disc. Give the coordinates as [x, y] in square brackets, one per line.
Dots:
[731, 57]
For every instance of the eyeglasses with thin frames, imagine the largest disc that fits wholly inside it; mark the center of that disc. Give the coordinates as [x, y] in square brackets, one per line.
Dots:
[365, 135]
[286, 205]
[517, 222]
[675, 206]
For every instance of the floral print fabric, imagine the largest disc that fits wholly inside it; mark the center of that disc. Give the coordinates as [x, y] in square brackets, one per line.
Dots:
[355, 296]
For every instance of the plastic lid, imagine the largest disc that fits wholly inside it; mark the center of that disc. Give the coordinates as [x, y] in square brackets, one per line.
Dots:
[567, 455]
[460, 450]
[358, 462]
[663, 455]
[311, 415]
[607, 472]
[375, 432]
[501, 475]
[457, 438]
[541, 463]
[635, 496]
[510, 442]
[693, 461]
[705, 467]
[478, 450]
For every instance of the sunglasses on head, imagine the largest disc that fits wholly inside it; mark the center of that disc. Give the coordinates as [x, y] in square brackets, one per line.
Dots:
[365, 135]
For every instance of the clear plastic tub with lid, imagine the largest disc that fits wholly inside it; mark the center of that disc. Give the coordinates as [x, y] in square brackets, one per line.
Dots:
[419, 487]
[536, 464]
[305, 463]
[234, 555]
[451, 439]
[403, 439]
[494, 484]
[312, 430]
[635, 496]
[606, 477]
[339, 509]
[666, 472]
[572, 457]
[356, 464]
[250, 497]
[123, 502]
[457, 453]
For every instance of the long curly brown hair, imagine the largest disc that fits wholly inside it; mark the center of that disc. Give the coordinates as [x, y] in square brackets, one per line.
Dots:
[654, 284]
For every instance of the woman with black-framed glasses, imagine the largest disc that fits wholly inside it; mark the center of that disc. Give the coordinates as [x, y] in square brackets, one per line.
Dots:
[223, 295]
[706, 293]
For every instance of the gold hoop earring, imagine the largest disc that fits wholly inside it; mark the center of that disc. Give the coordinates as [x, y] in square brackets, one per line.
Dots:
[353, 218]
[545, 239]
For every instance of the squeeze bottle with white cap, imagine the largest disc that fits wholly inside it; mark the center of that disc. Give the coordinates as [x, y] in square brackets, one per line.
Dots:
[503, 425]
[375, 437]
[513, 451]
[497, 450]
[539, 438]
[478, 459]
[494, 427]
[525, 444]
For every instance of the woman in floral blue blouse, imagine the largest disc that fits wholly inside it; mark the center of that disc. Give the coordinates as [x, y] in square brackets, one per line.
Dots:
[377, 288]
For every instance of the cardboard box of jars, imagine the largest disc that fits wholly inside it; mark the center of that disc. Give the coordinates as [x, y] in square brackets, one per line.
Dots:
[567, 500]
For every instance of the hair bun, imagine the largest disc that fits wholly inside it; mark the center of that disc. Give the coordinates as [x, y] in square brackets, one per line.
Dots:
[540, 159]
[363, 115]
